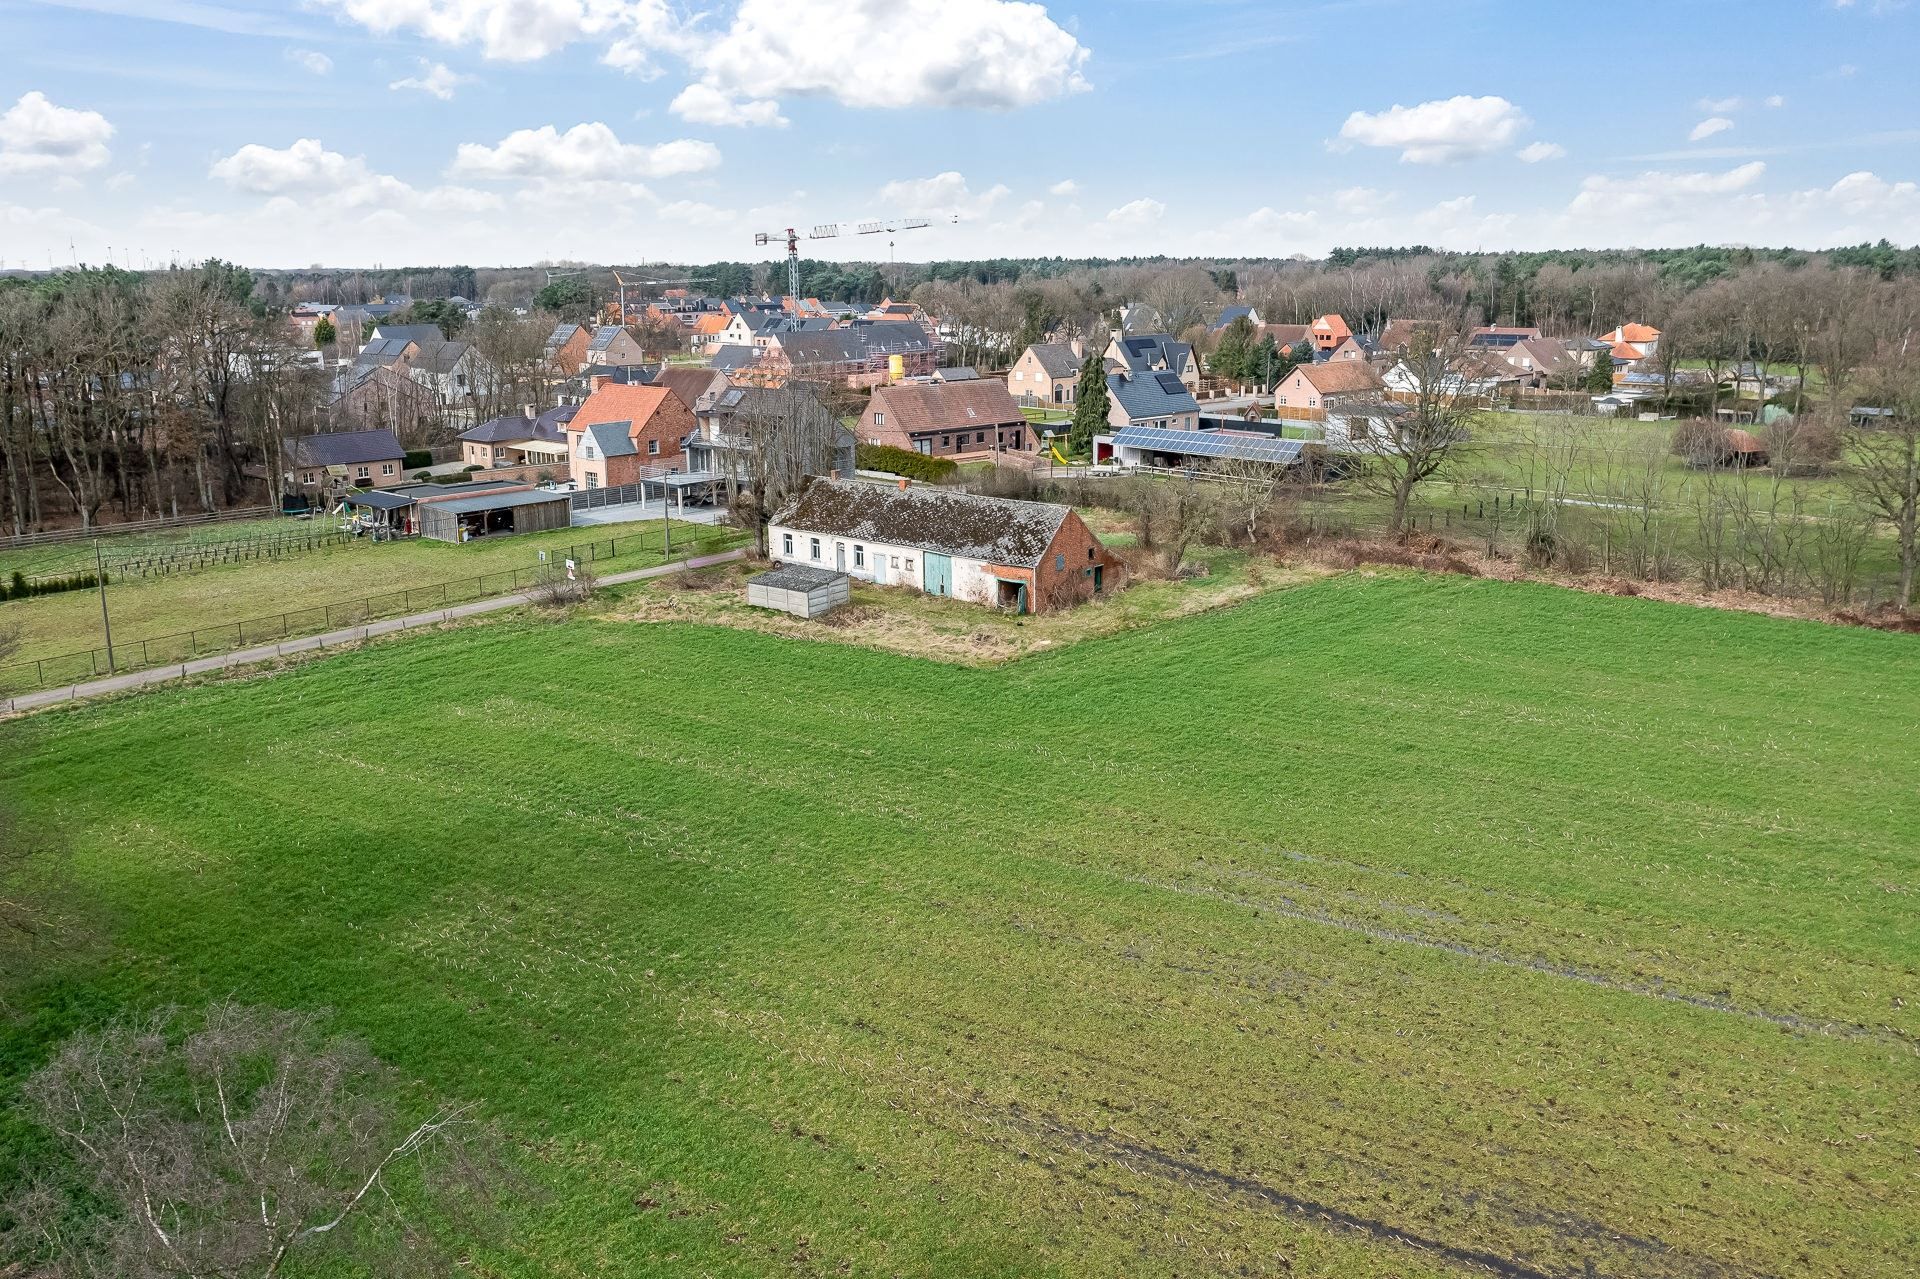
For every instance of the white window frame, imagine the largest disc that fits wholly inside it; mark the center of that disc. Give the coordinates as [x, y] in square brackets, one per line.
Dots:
[813, 549]
[786, 543]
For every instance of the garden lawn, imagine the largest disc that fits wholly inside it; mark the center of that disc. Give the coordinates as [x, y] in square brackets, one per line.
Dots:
[1389, 925]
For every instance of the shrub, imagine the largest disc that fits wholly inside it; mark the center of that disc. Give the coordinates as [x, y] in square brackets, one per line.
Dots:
[418, 459]
[915, 466]
[20, 588]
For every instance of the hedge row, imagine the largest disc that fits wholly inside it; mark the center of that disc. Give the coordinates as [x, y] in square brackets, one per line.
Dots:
[915, 466]
[20, 588]
[418, 459]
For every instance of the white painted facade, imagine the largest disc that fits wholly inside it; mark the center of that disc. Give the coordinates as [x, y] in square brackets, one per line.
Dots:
[876, 562]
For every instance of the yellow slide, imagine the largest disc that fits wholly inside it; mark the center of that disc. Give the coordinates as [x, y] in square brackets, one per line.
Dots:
[1055, 450]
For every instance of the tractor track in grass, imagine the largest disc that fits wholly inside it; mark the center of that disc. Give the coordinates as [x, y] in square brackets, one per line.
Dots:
[1644, 1257]
[1287, 908]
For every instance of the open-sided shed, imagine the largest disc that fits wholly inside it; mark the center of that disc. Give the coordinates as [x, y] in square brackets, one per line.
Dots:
[802, 591]
[492, 514]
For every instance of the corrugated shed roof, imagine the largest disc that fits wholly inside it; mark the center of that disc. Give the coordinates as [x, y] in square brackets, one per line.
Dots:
[500, 501]
[944, 521]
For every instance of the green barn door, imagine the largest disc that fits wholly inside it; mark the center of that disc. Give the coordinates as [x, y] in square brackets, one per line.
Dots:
[937, 573]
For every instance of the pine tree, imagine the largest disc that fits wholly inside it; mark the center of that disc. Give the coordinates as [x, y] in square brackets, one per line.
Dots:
[1600, 376]
[1089, 402]
[324, 334]
[1232, 357]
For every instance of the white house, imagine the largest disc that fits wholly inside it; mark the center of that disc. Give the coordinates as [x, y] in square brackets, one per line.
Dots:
[1027, 556]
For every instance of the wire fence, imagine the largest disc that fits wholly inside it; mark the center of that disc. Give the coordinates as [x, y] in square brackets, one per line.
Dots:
[224, 637]
[51, 537]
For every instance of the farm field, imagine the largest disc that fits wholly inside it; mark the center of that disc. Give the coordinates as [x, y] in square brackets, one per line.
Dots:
[52, 625]
[1384, 925]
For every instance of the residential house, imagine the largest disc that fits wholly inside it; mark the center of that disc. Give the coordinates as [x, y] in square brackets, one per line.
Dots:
[1537, 360]
[1288, 337]
[947, 419]
[612, 345]
[707, 328]
[1155, 353]
[419, 334]
[1047, 373]
[1351, 349]
[723, 444]
[1030, 557]
[450, 370]
[330, 464]
[1328, 332]
[1497, 335]
[526, 438]
[1396, 336]
[621, 433]
[566, 350]
[862, 354]
[1231, 313]
[1642, 337]
[1481, 379]
[1151, 399]
[1311, 391]
[695, 387]
[734, 361]
[956, 373]
[376, 396]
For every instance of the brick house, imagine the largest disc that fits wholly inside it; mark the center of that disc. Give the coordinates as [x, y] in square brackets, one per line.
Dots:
[947, 419]
[1047, 373]
[567, 349]
[340, 460]
[1312, 390]
[1028, 557]
[613, 345]
[620, 432]
[858, 355]
[1328, 332]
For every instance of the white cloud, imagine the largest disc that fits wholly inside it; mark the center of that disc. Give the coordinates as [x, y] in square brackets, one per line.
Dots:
[1064, 187]
[1721, 106]
[1708, 127]
[1359, 200]
[436, 79]
[584, 152]
[1776, 100]
[37, 136]
[693, 211]
[1439, 132]
[704, 104]
[1535, 152]
[524, 30]
[307, 169]
[311, 59]
[1136, 214]
[943, 193]
[899, 53]
[1656, 192]
[1862, 193]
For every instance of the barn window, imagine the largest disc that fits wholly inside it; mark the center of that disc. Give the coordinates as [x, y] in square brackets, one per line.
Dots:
[786, 543]
[1059, 563]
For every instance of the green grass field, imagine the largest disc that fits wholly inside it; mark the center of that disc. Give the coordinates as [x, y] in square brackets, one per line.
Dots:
[52, 625]
[1389, 925]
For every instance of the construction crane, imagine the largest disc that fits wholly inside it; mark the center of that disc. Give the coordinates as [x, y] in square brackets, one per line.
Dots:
[831, 230]
[624, 283]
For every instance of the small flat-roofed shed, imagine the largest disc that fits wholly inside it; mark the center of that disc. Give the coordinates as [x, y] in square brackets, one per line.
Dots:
[493, 514]
[802, 591]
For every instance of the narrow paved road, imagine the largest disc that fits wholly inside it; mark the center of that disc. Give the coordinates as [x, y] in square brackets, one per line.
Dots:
[352, 634]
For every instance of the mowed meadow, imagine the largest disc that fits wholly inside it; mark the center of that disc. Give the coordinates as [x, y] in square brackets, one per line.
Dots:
[1388, 925]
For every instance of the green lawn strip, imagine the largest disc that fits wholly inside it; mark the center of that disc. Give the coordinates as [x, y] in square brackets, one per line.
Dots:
[1039, 947]
[262, 591]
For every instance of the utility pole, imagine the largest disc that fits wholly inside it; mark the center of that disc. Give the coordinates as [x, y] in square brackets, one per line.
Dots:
[100, 578]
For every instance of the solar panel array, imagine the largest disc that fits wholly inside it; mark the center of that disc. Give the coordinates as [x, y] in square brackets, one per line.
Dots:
[1170, 383]
[1208, 444]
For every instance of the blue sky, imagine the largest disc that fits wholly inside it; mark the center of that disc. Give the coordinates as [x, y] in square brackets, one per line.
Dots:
[356, 132]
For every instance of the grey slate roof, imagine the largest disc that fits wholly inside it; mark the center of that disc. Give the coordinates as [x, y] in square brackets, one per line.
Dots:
[603, 337]
[1145, 395]
[957, 374]
[440, 357]
[421, 333]
[856, 343]
[1228, 315]
[1148, 351]
[613, 439]
[347, 448]
[1056, 359]
[727, 359]
[499, 501]
[382, 351]
[944, 521]
[518, 426]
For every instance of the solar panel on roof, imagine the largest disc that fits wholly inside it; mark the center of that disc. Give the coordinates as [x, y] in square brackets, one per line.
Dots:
[1170, 383]
[1209, 445]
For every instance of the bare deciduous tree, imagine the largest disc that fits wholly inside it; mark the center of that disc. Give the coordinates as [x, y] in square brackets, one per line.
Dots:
[781, 435]
[1886, 454]
[240, 1145]
[1397, 445]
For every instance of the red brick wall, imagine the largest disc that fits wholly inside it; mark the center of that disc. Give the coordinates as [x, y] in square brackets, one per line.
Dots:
[1077, 550]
